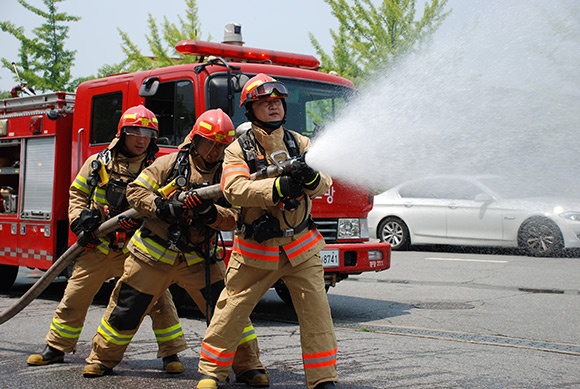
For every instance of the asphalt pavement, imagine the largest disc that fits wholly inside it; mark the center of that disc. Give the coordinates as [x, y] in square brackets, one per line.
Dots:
[396, 329]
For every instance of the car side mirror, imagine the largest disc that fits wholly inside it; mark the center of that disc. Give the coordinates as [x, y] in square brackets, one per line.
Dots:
[483, 197]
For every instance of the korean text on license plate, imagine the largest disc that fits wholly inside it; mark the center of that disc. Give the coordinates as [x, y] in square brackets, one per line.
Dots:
[329, 258]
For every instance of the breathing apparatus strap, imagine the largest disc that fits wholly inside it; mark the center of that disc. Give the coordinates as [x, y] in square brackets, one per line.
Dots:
[181, 166]
[257, 160]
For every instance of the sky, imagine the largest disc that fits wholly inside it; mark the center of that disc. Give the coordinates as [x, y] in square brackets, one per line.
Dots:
[275, 24]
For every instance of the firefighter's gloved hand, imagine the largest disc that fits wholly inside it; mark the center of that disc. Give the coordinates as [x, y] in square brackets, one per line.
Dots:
[88, 240]
[169, 210]
[84, 227]
[308, 177]
[128, 223]
[286, 187]
[196, 203]
[205, 210]
[88, 220]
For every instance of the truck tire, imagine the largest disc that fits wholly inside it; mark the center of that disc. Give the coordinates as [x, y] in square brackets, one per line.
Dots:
[284, 294]
[8, 275]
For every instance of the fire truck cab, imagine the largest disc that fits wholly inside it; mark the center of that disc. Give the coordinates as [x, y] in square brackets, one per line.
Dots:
[44, 141]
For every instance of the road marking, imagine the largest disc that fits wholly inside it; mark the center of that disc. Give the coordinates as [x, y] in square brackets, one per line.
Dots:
[465, 260]
[474, 338]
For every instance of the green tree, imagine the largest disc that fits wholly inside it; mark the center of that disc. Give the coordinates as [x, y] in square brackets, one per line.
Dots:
[370, 37]
[162, 41]
[43, 60]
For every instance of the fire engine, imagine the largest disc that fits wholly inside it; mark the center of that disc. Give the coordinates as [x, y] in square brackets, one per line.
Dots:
[44, 140]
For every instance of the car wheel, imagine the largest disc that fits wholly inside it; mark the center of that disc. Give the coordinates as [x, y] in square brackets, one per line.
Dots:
[8, 275]
[395, 232]
[540, 237]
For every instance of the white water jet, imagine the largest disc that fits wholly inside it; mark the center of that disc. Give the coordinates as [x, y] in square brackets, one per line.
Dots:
[499, 94]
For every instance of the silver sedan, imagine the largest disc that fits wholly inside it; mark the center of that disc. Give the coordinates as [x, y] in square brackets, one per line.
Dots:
[475, 211]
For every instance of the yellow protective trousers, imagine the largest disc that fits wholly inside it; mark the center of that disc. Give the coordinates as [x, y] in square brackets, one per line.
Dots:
[92, 268]
[141, 284]
[245, 286]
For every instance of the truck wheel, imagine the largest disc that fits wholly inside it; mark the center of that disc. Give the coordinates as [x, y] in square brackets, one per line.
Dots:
[7, 277]
[284, 294]
[395, 232]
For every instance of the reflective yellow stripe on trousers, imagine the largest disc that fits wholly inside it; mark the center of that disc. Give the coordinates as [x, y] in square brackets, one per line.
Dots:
[167, 334]
[161, 253]
[64, 330]
[112, 335]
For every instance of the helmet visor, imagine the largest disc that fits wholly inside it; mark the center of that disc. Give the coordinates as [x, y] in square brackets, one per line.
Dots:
[270, 89]
[210, 151]
[140, 131]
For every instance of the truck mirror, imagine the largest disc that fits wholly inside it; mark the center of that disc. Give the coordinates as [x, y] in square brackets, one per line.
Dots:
[149, 87]
[239, 81]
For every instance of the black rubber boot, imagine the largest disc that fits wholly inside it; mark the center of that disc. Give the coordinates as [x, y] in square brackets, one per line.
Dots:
[173, 365]
[207, 382]
[254, 378]
[94, 370]
[46, 357]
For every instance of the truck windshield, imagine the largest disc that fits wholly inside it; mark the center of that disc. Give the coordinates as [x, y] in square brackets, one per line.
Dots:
[311, 105]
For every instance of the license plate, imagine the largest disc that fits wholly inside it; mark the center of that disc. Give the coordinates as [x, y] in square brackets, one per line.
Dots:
[329, 258]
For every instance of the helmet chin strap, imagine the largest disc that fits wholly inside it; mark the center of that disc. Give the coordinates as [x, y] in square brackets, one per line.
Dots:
[270, 125]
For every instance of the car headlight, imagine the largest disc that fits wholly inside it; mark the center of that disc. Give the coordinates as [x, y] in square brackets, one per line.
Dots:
[571, 215]
[353, 228]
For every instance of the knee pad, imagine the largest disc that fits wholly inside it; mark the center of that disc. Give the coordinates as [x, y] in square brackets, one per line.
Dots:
[130, 309]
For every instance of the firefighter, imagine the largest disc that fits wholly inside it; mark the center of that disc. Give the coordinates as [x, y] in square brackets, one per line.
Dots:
[177, 244]
[276, 239]
[96, 194]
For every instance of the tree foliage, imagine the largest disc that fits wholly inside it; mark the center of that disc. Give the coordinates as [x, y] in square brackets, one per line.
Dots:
[43, 61]
[161, 40]
[369, 37]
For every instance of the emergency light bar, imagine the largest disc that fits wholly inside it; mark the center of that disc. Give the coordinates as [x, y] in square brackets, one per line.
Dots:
[250, 54]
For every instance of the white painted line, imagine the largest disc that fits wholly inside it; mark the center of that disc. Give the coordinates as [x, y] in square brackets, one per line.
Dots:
[465, 260]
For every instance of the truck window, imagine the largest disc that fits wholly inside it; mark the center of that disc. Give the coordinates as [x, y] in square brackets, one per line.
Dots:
[105, 115]
[173, 104]
[311, 105]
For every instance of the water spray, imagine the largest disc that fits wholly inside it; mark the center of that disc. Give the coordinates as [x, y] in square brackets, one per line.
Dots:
[499, 94]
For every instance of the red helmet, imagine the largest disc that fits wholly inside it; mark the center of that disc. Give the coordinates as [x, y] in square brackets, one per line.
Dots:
[262, 86]
[140, 117]
[214, 125]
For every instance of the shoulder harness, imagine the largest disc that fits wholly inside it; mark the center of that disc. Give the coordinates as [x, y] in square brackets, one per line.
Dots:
[254, 153]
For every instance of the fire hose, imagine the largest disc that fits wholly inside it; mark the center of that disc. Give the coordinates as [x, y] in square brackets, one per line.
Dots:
[207, 192]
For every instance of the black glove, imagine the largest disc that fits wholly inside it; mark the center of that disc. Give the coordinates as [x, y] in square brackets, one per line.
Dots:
[205, 210]
[286, 187]
[84, 227]
[169, 210]
[306, 176]
[128, 223]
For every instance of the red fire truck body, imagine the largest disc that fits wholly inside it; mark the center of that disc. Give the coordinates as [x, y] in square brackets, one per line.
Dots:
[44, 140]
